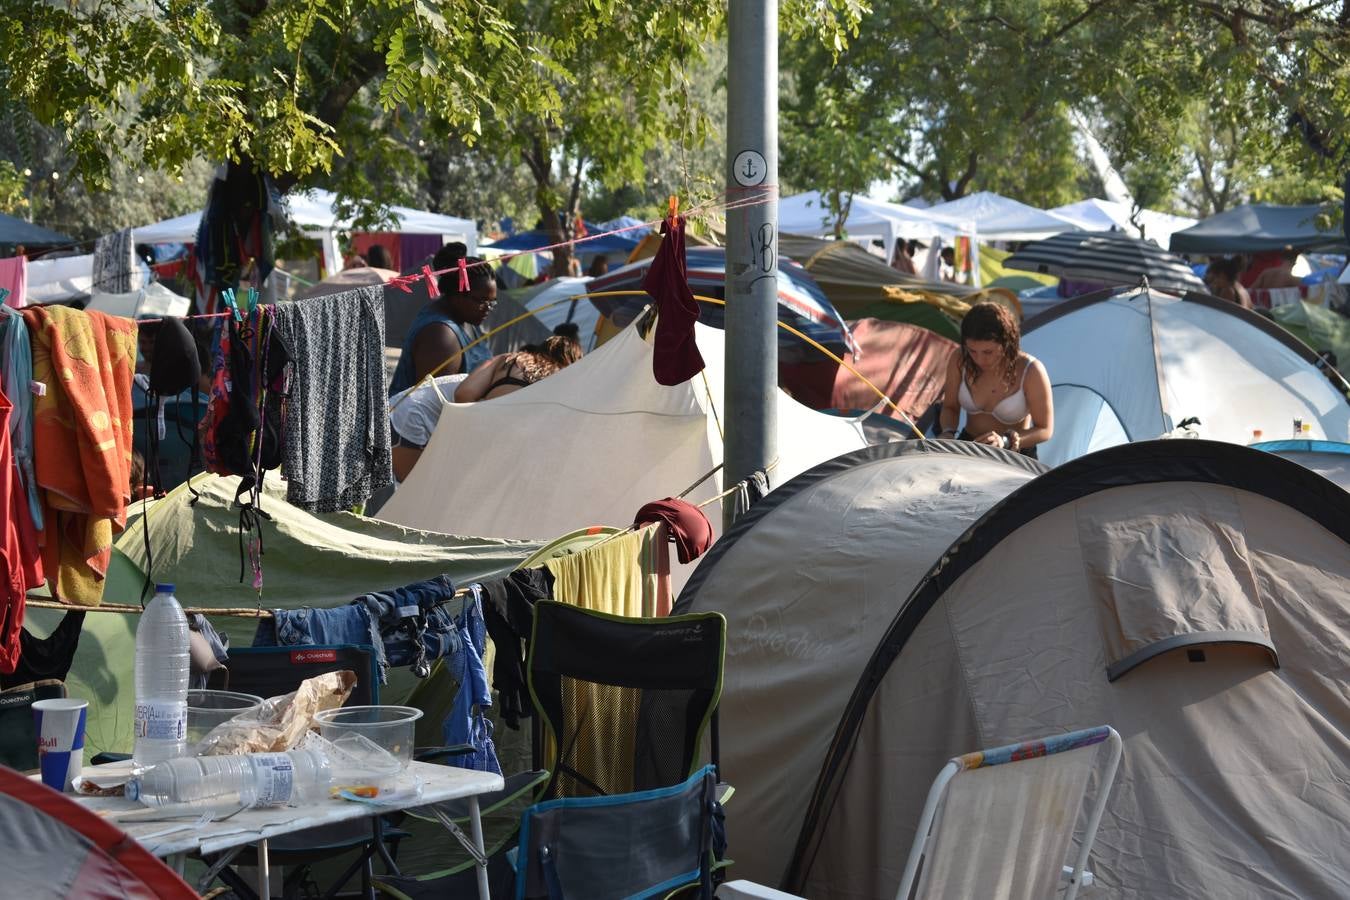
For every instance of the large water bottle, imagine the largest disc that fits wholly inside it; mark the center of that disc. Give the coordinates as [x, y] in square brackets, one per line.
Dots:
[162, 672]
[247, 780]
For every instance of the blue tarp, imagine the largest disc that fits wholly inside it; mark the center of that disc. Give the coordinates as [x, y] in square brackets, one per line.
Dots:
[17, 231]
[613, 243]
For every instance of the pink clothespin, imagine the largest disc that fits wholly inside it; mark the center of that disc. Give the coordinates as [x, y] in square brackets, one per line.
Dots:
[433, 291]
[403, 282]
[463, 277]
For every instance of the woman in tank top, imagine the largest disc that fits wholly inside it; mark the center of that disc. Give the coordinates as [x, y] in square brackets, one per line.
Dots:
[1004, 392]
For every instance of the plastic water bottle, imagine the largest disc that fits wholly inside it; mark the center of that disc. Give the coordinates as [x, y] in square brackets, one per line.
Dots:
[248, 780]
[162, 672]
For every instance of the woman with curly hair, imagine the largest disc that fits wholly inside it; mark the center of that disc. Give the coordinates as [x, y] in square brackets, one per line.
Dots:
[1004, 392]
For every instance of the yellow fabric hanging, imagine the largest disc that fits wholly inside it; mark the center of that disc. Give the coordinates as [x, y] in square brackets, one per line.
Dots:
[617, 576]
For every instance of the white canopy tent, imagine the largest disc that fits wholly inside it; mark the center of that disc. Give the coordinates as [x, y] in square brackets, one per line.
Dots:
[314, 213]
[1106, 215]
[809, 215]
[1133, 366]
[1000, 218]
[592, 444]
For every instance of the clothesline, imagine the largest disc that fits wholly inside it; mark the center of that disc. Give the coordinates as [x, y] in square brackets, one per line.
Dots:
[405, 282]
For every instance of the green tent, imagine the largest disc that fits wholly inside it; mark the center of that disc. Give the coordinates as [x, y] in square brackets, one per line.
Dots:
[309, 561]
[1318, 327]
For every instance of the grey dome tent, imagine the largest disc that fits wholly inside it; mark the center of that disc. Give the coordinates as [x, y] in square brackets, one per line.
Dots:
[1133, 365]
[808, 580]
[1190, 593]
[1330, 459]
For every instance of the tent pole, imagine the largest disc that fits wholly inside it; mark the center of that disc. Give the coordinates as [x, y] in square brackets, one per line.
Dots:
[752, 241]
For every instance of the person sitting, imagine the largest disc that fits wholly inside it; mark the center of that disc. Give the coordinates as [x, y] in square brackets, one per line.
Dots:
[1222, 278]
[1004, 392]
[947, 270]
[445, 328]
[1280, 275]
[510, 372]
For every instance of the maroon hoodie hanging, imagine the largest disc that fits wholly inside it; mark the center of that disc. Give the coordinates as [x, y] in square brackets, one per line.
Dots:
[675, 356]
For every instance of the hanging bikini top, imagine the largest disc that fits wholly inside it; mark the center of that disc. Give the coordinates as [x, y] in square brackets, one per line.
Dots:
[1010, 410]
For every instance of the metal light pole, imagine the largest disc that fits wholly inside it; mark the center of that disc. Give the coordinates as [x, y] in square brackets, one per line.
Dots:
[751, 424]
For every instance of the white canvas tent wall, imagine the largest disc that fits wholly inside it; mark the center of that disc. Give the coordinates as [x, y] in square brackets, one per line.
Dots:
[314, 214]
[1133, 365]
[808, 581]
[1196, 558]
[1000, 218]
[590, 445]
[1106, 215]
[153, 300]
[809, 215]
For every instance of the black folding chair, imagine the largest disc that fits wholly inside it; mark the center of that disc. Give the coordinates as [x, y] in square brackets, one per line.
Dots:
[624, 702]
[18, 739]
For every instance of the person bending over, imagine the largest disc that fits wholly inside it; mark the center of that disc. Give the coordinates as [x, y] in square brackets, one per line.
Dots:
[1004, 392]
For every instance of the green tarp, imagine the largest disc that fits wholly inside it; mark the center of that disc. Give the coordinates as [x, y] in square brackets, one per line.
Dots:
[1318, 327]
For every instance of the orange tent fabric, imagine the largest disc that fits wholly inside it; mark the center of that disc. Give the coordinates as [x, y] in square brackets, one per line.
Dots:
[82, 435]
[904, 360]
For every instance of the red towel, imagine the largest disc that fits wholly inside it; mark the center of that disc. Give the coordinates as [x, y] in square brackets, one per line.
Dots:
[675, 356]
[690, 529]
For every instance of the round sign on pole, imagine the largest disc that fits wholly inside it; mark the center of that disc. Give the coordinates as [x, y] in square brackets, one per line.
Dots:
[749, 168]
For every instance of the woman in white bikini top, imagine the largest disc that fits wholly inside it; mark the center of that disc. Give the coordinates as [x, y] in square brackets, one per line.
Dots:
[1004, 392]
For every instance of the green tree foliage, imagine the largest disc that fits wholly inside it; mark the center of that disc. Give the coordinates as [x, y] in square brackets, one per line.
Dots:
[573, 88]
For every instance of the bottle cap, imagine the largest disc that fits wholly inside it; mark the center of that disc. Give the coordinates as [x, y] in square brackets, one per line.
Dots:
[163, 588]
[132, 789]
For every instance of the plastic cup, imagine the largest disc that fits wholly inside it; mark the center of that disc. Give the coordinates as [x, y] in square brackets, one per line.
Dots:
[372, 745]
[59, 724]
[206, 709]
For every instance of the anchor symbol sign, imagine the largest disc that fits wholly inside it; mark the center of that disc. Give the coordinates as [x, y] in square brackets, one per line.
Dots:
[749, 168]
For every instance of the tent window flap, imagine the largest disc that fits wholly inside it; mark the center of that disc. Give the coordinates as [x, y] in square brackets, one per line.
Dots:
[1171, 571]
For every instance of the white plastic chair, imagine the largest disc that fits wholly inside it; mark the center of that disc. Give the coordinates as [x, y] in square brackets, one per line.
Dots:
[998, 823]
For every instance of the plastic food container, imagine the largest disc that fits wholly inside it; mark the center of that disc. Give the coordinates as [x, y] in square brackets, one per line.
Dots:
[371, 745]
[206, 709]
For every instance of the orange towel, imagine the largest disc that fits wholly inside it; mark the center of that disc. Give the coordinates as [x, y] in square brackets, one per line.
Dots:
[82, 437]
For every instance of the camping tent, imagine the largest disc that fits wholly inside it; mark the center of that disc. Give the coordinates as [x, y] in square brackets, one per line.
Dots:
[153, 300]
[315, 214]
[1188, 593]
[999, 218]
[1318, 327]
[1329, 459]
[808, 581]
[907, 362]
[590, 445]
[801, 303]
[1245, 229]
[1107, 215]
[1133, 365]
[55, 847]
[809, 214]
[309, 561]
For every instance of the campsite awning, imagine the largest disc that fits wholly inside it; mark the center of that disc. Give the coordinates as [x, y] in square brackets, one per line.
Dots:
[809, 214]
[1107, 215]
[999, 218]
[1245, 229]
[17, 231]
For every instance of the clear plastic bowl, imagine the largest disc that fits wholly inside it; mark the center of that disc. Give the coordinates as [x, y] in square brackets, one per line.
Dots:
[375, 738]
[206, 709]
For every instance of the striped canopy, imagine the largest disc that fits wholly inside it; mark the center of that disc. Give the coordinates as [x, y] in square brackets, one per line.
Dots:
[1109, 258]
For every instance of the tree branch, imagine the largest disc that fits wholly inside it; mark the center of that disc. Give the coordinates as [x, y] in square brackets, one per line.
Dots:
[1073, 23]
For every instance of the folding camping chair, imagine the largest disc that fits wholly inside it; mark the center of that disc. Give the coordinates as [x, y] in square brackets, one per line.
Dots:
[18, 740]
[998, 823]
[642, 844]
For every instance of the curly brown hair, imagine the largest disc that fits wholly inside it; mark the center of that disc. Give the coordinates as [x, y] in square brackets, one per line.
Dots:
[989, 321]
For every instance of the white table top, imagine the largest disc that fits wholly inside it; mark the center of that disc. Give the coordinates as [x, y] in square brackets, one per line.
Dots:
[251, 825]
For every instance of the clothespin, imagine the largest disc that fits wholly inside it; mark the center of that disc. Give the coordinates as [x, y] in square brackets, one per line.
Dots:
[4, 295]
[227, 297]
[463, 277]
[430, 277]
[404, 282]
[672, 209]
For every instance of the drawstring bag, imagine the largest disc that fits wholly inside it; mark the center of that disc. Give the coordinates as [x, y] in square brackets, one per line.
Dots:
[174, 368]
